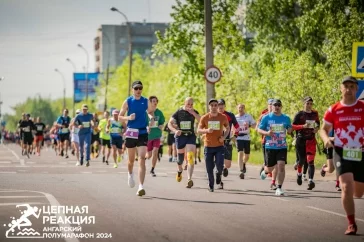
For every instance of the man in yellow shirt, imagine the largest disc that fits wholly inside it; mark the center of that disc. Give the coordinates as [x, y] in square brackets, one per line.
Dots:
[105, 137]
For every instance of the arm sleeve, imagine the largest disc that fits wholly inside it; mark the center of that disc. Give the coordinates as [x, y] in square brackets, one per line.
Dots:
[235, 122]
[295, 124]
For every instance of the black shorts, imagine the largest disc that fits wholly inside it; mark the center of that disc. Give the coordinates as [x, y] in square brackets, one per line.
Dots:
[105, 142]
[141, 141]
[27, 139]
[329, 153]
[94, 138]
[228, 153]
[274, 155]
[183, 140]
[243, 145]
[64, 137]
[347, 166]
[170, 139]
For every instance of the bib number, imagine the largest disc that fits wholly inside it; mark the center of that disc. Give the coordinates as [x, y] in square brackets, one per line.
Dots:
[115, 130]
[86, 124]
[214, 125]
[26, 129]
[65, 130]
[244, 127]
[311, 124]
[277, 128]
[132, 133]
[185, 125]
[39, 128]
[352, 154]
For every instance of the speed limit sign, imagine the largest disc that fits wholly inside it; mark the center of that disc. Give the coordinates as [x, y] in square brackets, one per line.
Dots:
[212, 74]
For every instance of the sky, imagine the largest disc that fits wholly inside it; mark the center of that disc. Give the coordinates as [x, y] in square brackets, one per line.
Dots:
[37, 36]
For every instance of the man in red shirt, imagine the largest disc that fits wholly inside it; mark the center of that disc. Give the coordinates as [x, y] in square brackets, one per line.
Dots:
[346, 118]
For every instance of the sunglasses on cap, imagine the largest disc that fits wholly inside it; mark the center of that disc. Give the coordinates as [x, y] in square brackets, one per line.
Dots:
[138, 88]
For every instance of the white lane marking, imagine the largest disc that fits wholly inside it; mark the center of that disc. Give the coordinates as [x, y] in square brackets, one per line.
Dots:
[31, 162]
[5, 162]
[7, 172]
[86, 172]
[14, 204]
[334, 213]
[18, 196]
[53, 201]
[16, 155]
[282, 199]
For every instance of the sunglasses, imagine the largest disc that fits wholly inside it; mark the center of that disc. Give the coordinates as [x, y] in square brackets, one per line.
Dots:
[277, 105]
[213, 105]
[138, 88]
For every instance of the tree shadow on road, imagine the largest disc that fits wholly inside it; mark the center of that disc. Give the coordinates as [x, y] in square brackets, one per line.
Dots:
[196, 201]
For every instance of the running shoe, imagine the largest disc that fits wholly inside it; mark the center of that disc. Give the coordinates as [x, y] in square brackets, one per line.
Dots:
[218, 178]
[311, 185]
[170, 159]
[78, 163]
[242, 176]
[61, 152]
[299, 180]
[115, 165]
[189, 183]
[211, 189]
[244, 168]
[131, 182]
[66, 156]
[119, 158]
[273, 186]
[81, 161]
[87, 163]
[179, 176]
[140, 192]
[263, 175]
[304, 177]
[351, 230]
[338, 188]
[225, 172]
[279, 192]
[220, 186]
[152, 174]
[323, 172]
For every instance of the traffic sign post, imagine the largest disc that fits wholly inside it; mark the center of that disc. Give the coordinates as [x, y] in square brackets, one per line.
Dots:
[357, 62]
[213, 74]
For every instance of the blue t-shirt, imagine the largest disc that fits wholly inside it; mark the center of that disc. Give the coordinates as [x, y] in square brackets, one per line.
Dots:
[85, 120]
[66, 122]
[139, 107]
[279, 125]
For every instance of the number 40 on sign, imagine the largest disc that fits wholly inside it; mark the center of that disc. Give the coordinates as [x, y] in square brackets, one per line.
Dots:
[213, 74]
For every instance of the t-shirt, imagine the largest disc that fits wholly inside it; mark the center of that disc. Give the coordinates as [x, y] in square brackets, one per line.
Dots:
[348, 125]
[139, 107]
[96, 125]
[102, 126]
[301, 118]
[184, 120]
[245, 122]
[26, 126]
[217, 123]
[232, 121]
[85, 120]
[279, 124]
[155, 131]
[39, 128]
[66, 122]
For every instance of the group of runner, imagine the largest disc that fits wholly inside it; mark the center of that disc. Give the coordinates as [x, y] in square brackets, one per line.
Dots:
[139, 125]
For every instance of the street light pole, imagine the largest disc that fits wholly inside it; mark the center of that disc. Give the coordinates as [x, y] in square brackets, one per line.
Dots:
[73, 84]
[1, 103]
[210, 88]
[130, 45]
[87, 56]
[64, 87]
[107, 70]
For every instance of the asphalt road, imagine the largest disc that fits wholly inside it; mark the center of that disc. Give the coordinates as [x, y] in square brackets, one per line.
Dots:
[246, 210]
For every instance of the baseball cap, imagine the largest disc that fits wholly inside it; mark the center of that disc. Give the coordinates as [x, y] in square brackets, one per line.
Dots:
[84, 106]
[349, 79]
[78, 111]
[306, 99]
[137, 84]
[276, 101]
[221, 101]
[115, 111]
[270, 100]
[213, 100]
[28, 114]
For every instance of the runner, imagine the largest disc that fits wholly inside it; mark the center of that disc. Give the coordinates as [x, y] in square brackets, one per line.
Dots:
[23, 118]
[330, 164]
[116, 128]
[306, 123]
[216, 128]
[105, 138]
[26, 126]
[346, 117]
[63, 123]
[274, 127]
[74, 138]
[198, 146]
[85, 123]
[39, 135]
[246, 122]
[182, 124]
[95, 138]
[156, 121]
[172, 150]
[228, 142]
[136, 133]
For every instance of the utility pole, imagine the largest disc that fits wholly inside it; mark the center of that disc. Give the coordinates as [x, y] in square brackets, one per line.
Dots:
[210, 88]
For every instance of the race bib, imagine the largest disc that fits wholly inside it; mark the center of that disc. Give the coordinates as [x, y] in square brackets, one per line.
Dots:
[75, 130]
[115, 130]
[352, 154]
[154, 122]
[65, 130]
[215, 125]
[244, 127]
[39, 128]
[26, 129]
[311, 124]
[86, 124]
[132, 133]
[185, 124]
[277, 128]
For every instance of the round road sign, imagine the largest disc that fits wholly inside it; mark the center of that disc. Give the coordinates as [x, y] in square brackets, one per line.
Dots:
[213, 74]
